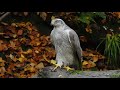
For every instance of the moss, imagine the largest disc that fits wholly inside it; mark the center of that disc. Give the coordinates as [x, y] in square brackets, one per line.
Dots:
[115, 75]
[76, 72]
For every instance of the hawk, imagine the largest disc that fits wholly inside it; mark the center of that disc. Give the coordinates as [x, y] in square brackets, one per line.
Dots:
[67, 44]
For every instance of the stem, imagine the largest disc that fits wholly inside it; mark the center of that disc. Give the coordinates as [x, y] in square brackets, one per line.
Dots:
[4, 15]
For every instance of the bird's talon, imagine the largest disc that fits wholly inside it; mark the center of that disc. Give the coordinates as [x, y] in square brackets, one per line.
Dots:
[56, 66]
[68, 68]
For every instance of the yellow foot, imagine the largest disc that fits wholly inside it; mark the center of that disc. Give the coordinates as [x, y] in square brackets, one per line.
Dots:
[68, 68]
[56, 66]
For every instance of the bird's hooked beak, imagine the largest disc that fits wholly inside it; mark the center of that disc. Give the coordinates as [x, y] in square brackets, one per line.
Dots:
[52, 18]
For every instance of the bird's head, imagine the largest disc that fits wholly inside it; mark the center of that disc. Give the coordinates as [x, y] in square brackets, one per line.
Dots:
[56, 22]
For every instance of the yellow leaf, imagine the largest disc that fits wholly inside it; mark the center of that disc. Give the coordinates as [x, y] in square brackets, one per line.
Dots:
[90, 54]
[32, 69]
[88, 29]
[38, 43]
[14, 25]
[92, 64]
[95, 58]
[21, 59]
[11, 56]
[2, 62]
[29, 24]
[40, 66]
[38, 35]
[85, 63]
[36, 51]
[14, 35]
[28, 51]
[32, 64]
[22, 56]
[2, 33]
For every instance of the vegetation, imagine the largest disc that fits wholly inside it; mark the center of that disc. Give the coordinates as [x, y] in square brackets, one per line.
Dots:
[112, 50]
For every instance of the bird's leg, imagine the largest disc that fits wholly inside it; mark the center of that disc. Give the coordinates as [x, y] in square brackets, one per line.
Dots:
[56, 66]
[68, 68]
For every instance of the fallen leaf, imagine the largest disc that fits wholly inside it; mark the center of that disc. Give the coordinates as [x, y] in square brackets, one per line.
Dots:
[85, 53]
[85, 63]
[83, 38]
[11, 56]
[25, 13]
[89, 30]
[20, 32]
[14, 24]
[92, 64]
[2, 70]
[2, 33]
[43, 15]
[40, 66]
[90, 54]
[95, 58]
[2, 62]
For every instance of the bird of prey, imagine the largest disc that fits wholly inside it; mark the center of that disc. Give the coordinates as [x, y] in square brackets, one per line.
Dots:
[67, 45]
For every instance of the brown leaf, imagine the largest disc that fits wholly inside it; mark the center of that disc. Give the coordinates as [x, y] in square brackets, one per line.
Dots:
[88, 29]
[43, 15]
[2, 70]
[22, 24]
[12, 44]
[2, 62]
[91, 54]
[20, 32]
[25, 13]
[85, 53]
[83, 39]
[29, 51]
[1, 48]
[95, 58]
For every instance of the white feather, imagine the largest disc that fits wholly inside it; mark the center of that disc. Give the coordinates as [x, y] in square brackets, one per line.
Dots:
[68, 35]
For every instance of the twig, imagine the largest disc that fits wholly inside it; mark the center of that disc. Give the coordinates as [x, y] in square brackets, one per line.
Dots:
[4, 15]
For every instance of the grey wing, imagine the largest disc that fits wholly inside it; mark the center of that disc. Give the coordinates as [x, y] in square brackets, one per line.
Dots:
[76, 43]
[51, 37]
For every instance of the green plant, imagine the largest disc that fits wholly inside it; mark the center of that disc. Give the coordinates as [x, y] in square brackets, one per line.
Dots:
[112, 49]
[88, 17]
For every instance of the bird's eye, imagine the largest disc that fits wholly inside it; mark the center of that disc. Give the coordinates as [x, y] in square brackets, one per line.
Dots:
[57, 21]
